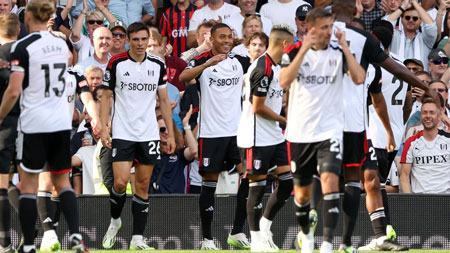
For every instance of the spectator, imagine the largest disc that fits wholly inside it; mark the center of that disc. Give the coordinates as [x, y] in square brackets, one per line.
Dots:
[216, 10]
[371, 11]
[94, 76]
[444, 43]
[437, 63]
[202, 36]
[168, 176]
[252, 24]
[439, 87]
[102, 46]
[255, 45]
[300, 16]
[130, 11]
[413, 42]
[282, 12]
[5, 8]
[413, 65]
[119, 38]
[174, 25]
[248, 8]
[84, 45]
[426, 156]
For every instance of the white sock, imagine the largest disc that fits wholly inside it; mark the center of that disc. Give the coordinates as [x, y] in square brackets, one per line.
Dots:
[137, 238]
[28, 248]
[254, 235]
[265, 224]
[326, 246]
[116, 222]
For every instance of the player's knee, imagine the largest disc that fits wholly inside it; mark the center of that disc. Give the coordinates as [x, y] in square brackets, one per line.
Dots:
[371, 181]
[120, 185]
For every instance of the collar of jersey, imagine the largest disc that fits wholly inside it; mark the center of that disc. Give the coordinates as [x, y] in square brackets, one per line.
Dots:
[131, 58]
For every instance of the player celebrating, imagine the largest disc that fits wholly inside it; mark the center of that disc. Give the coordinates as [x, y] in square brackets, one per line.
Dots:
[315, 119]
[38, 71]
[136, 79]
[259, 132]
[219, 76]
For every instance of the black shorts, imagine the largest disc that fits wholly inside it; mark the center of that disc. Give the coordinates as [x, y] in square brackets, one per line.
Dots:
[146, 152]
[260, 160]
[353, 154]
[370, 159]
[305, 158]
[218, 154]
[49, 151]
[8, 136]
[385, 160]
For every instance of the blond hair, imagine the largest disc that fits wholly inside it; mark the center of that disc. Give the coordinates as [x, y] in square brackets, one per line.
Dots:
[155, 35]
[9, 25]
[92, 69]
[42, 10]
[95, 15]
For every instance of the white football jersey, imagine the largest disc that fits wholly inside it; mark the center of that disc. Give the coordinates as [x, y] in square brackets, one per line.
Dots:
[135, 86]
[223, 14]
[220, 94]
[262, 80]
[47, 87]
[394, 92]
[315, 110]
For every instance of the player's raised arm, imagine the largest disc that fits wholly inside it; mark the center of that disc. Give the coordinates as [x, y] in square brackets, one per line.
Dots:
[355, 71]
[193, 70]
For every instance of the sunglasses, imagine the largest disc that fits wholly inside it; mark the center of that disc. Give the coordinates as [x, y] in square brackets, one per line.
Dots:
[252, 14]
[98, 22]
[440, 90]
[414, 18]
[119, 35]
[414, 69]
[442, 60]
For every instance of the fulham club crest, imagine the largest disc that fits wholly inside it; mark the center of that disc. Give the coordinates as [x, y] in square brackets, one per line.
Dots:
[206, 162]
[257, 164]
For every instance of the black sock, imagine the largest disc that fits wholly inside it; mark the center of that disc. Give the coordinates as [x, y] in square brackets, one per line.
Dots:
[139, 208]
[279, 196]
[330, 212]
[378, 220]
[28, 216]
[316, 194]
[5, 219]
[13, 197]
[385, 204]
[46, 210]
[206, 205]
[240, 213]
[302, 215]
[69, 207]
[117, 201]
[254, 204]
[352, 195]
[57, 207]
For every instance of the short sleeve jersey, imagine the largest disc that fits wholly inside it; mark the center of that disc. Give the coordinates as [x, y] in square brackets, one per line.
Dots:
[394, 92]
[220, 94]
[315, 110]
[47, 89]
[135, 86]
[430, 162]
[261, 80]
[204, 14]
[366, 49]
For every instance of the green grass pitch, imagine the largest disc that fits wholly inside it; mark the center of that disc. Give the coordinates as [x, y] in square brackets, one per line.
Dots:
[242, 251]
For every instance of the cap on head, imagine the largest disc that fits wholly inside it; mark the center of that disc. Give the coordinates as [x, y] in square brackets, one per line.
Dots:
[302, 11]
[415, 61]
[118, 24]
[436, 54]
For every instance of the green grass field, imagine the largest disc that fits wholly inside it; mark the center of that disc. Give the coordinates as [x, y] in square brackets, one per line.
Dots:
[243, 251]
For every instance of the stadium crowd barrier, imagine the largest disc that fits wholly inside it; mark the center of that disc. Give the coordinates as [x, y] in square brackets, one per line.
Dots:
[421, 222]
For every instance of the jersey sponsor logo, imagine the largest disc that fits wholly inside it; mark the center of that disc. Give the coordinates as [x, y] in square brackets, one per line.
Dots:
[206, 162]
[432, 159]
[224, 81]
[276, 93]
[182, 32]
[316, 80]
[138, 86]
[257, 164]
[107, 76]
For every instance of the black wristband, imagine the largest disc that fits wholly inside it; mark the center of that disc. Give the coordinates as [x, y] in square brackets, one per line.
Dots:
[400, 8]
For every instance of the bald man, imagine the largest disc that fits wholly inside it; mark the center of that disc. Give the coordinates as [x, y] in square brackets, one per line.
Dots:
[102, 39]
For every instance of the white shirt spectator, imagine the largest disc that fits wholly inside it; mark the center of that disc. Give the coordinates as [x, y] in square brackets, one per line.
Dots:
[87, 155]
[282, 13]
[224, 13]
[84, 48]
[90, 61]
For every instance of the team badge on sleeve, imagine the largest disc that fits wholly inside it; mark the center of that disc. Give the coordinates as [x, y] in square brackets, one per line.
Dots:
[265, 82]
[206, 162]
[107, 76]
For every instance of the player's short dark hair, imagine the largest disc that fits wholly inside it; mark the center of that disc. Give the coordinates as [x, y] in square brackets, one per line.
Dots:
[136, 27]
[409, 9]
[438, 81]
[282, 29]
[219, 26]
[422, 72]
[317, 13]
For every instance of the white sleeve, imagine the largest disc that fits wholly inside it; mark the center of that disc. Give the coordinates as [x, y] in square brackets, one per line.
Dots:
[194, 22]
